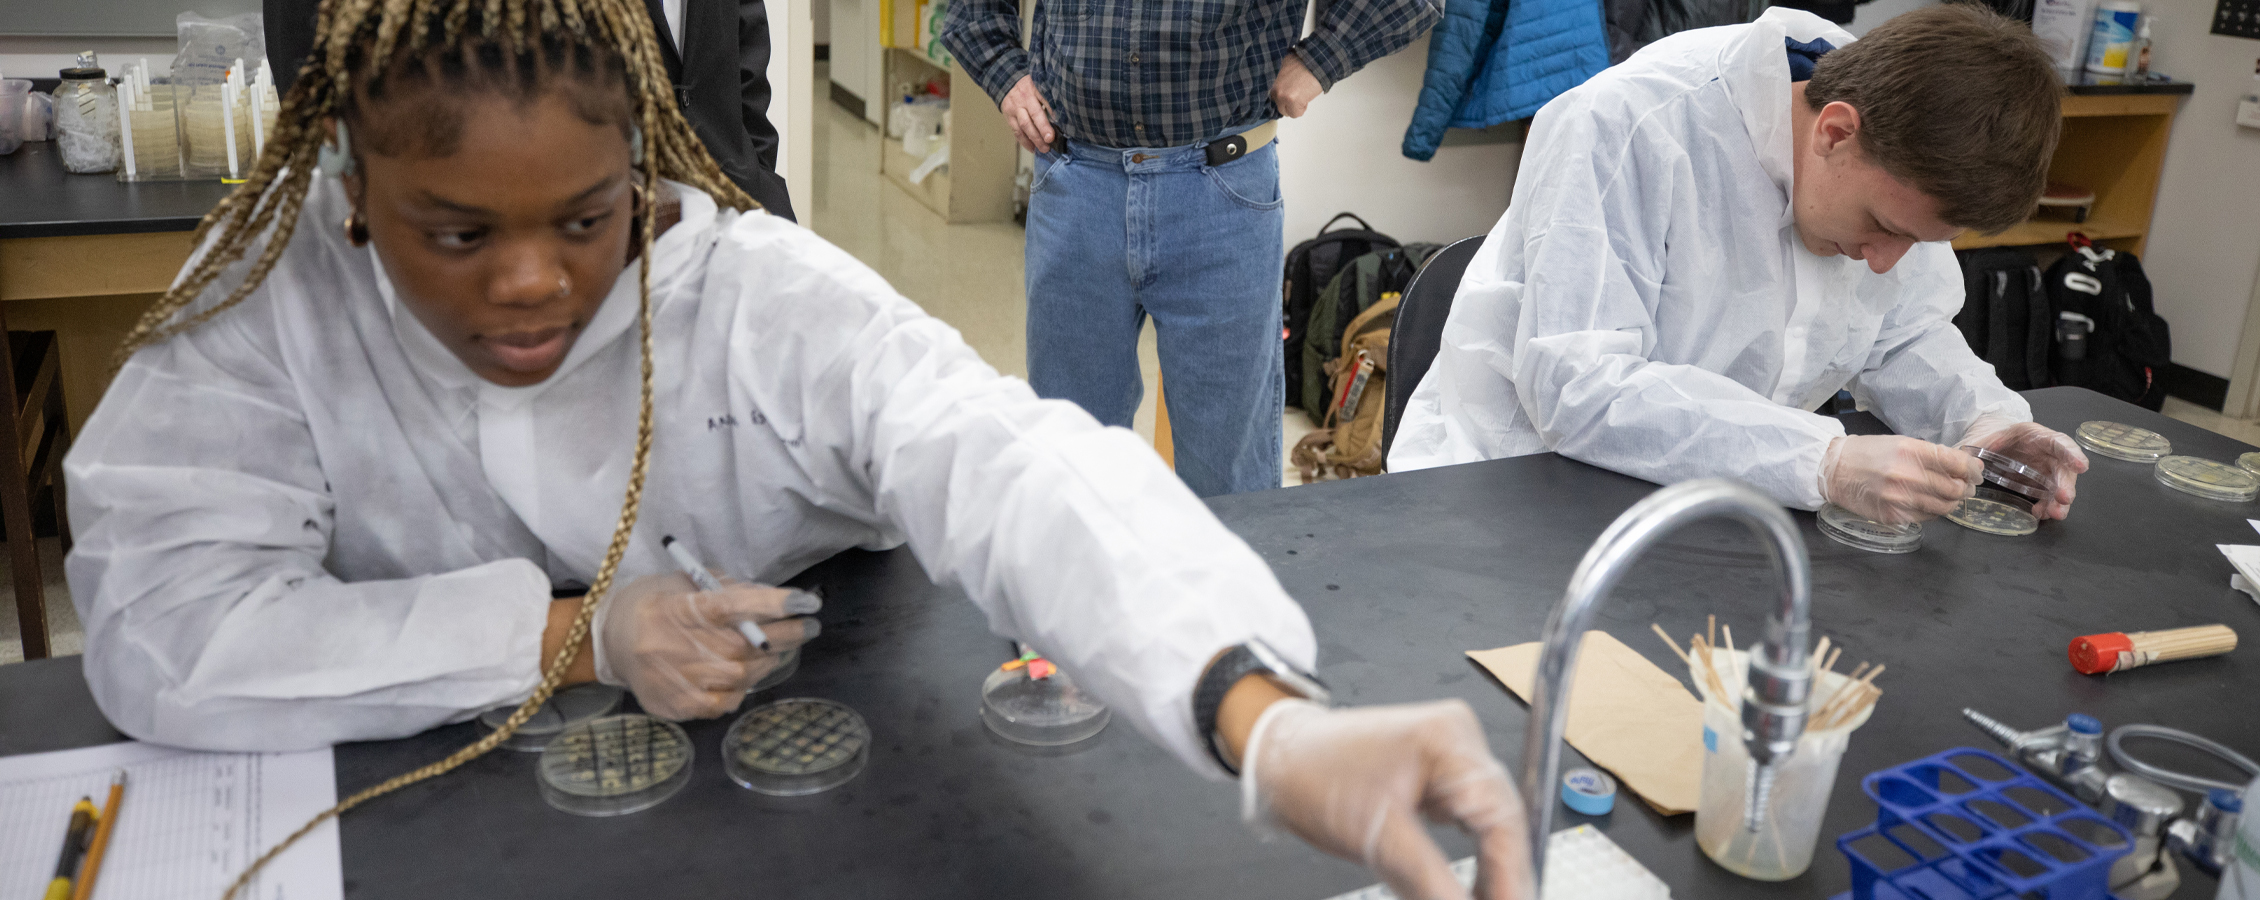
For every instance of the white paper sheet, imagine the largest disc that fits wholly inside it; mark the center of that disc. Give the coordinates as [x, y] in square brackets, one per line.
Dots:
[189, 824]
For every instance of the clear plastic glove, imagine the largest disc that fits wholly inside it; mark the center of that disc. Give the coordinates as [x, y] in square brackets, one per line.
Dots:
[2038, 446]
[679, 649]
[1897, 480]
[1357, 783]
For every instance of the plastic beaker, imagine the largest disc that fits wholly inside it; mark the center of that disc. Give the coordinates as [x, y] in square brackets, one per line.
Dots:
[1782, 846]
[12, 91]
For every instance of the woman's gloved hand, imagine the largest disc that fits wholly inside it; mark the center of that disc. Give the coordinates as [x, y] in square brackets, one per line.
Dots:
[1357, 783]
[1897, 480]
[679, 649]
[2038, 446]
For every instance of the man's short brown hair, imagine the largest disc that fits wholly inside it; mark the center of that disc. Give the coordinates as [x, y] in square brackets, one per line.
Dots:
[1957, 101]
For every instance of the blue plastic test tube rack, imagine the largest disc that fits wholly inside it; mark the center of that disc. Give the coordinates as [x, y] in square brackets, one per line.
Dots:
[1967, 825]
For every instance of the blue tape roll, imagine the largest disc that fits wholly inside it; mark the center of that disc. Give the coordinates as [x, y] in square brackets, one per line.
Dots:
[1589, 791]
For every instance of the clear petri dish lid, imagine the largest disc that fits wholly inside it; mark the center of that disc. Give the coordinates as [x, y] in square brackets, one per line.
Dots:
[1850, 529]
[2120, 441]
[615, 765]
[1042, 707]
[2208, 479]
[2014, 476]
[787, 664]
[796, 746]
[2249, 462]
[1994, 516]
[564, 709]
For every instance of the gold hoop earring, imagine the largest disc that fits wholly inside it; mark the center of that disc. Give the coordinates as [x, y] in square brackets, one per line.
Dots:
[356, 231]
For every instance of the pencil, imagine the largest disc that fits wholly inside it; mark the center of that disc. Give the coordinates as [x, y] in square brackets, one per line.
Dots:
[93, 864]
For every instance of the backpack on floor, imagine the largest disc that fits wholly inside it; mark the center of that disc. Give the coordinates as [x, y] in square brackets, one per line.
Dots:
[2006, 316]
[2108, 337]
[1310, 268]
[1356, 288]
[1349, 443]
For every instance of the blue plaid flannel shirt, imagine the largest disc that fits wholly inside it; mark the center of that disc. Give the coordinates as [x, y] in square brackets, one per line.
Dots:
[1166, 73]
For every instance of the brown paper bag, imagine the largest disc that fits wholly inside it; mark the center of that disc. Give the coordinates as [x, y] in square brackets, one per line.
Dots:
[1626, 715]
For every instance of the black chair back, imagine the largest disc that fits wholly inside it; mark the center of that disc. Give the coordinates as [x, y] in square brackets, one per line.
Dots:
[1419, 328]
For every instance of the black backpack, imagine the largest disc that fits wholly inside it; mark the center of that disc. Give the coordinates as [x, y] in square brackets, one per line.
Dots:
[1311, 266]
[2006, 315]
[1358, 285]
[2108, 337]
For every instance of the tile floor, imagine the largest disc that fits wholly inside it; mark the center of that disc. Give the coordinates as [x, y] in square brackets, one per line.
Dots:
[968, 275]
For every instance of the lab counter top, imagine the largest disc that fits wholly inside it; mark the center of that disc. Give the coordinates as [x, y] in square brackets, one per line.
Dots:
[39, 199]
[1401, 575]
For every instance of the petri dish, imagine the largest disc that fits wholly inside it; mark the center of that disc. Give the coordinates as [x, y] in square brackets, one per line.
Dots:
[796, 746]
[2208, 479]
[615, 765]
[2013, 476]
[1043, 712]
[2249, 462]
[789, 664]
[2120, 441]
[565, 709]
[1850, 529]
[1993, 516]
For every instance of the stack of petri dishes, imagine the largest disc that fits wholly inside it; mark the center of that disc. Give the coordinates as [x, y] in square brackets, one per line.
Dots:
[2005, 501]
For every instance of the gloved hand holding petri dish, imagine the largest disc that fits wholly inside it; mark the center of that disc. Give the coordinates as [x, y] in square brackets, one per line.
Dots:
[1896, 480]
[2046, 463]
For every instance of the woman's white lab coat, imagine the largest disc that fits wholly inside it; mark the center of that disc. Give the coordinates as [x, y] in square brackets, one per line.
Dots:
[306, 522]
[1645, 305]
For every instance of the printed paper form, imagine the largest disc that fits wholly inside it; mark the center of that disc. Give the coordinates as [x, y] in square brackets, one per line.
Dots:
[189, 824]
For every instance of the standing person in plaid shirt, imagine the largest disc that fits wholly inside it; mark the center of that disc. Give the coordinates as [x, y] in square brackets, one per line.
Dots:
[1157, 193]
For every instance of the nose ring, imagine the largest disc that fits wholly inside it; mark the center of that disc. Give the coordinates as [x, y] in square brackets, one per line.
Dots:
[564, 287]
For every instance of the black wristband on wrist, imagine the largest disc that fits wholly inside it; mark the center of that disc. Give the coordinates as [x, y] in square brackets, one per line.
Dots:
[1208, 696]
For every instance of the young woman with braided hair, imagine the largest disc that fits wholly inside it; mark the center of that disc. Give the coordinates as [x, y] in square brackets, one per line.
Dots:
[402, 390]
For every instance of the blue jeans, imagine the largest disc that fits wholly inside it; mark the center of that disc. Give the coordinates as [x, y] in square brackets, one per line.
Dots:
[1117, 235]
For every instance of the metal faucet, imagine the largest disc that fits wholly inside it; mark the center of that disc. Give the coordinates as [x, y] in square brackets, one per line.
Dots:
[1773, 703]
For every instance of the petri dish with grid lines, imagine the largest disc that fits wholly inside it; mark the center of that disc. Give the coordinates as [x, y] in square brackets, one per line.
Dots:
[796, 746]
[615, 765]
[1851, 529]
[2121, 441]
[2208, 479]
[1994, 516]
[563, 710]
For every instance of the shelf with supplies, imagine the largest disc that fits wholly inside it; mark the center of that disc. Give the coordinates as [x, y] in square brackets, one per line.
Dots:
[2114, 145]
[976, 184]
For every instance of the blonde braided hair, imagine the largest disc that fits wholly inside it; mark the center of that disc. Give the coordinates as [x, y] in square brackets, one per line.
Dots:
[356, 42]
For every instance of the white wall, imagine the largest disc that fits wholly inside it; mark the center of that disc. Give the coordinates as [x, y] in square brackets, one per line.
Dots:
[1873, 14]
[1344, 155]
[2205, 238]
[858, 62]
